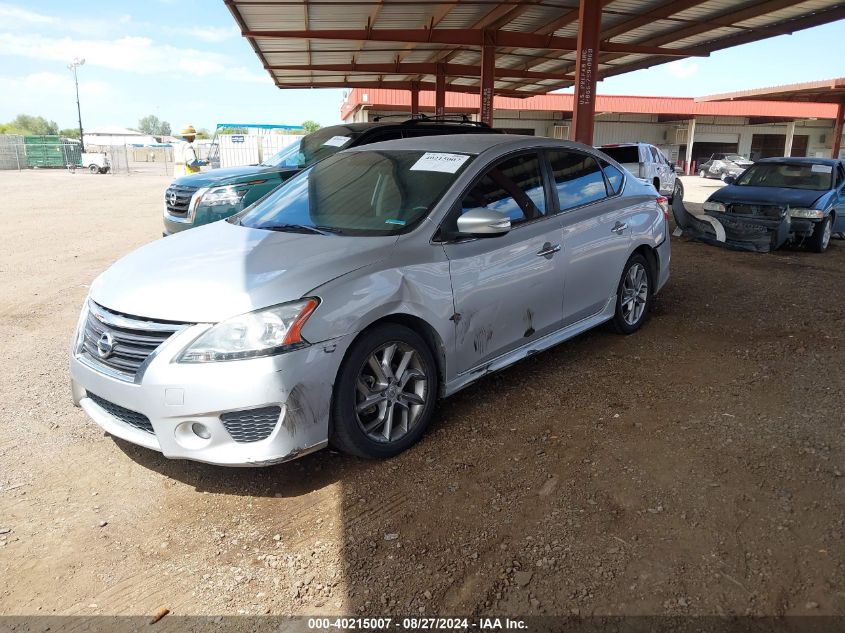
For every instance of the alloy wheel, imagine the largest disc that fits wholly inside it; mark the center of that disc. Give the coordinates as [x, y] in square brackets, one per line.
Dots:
[391, 392]
[634, 294]
[828, 231]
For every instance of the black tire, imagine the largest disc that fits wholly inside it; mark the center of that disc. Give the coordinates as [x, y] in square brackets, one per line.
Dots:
[702, 173]
[621, 321]
[677, 192]
[820, 239]
[93, 169]
[347, 432]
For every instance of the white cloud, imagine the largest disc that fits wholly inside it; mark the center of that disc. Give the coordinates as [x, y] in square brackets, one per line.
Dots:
[682, 68]
[211, 34]
[130, 54]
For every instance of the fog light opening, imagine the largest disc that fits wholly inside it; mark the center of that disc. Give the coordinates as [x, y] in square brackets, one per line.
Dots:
[201, 430]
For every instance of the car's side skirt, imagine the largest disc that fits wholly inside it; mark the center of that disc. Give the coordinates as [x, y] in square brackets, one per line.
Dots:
[529, 349]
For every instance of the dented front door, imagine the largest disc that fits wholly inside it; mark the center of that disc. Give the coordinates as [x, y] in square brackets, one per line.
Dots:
[508, 290]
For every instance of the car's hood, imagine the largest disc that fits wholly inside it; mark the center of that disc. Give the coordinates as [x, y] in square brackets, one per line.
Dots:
[766, 195]
[230, 175]
[740, 163]
[217, 271]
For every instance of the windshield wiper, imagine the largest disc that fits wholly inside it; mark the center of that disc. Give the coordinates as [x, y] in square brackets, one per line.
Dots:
[301, 228]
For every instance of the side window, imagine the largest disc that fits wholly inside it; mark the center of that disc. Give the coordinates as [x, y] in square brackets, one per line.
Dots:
[513, 186]
[614, 178]
[578, 178]
[840, 176]
[655, 155]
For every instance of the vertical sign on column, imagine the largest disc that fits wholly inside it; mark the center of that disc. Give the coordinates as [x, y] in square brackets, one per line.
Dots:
[488, 71]
[586, 67]
[440, 91]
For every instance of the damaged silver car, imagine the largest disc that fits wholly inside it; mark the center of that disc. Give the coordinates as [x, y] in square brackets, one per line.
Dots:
[339, 308]
[776, 201]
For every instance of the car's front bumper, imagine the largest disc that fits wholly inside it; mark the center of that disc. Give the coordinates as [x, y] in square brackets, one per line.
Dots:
[749, 233]
[174, 396]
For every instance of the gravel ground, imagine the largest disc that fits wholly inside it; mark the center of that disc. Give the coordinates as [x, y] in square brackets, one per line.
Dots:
[693, 468]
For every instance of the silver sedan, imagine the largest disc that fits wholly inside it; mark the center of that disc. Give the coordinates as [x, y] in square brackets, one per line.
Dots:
[339, 308]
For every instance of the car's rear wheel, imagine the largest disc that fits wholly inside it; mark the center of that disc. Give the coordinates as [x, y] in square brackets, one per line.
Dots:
[702, 173]
[93, 169]
[633, 295]
[820, 239]
[385, 393]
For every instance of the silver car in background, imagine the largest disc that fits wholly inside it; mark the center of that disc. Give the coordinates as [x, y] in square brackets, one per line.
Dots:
[339, 308]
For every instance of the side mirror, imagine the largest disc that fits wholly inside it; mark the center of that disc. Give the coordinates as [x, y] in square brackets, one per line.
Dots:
[729, 180]
[481, 222]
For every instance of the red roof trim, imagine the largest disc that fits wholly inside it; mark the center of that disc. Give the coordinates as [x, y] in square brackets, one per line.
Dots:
[393, 99]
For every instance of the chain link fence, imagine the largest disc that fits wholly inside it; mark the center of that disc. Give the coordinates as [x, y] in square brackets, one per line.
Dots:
[19, 153]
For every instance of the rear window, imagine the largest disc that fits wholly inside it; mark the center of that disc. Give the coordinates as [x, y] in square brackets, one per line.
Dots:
[624, 154]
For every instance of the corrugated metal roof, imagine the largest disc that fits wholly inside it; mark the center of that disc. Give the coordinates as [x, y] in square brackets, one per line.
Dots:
[381, 98]
[825, 91]
[351, 32]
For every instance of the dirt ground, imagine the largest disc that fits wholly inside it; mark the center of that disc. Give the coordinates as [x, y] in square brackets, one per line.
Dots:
[693, 468]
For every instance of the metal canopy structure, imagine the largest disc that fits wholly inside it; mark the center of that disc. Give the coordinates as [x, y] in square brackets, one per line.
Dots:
[509, 48]
[827, 91]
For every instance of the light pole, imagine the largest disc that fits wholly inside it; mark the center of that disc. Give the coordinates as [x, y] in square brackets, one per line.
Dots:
[72, 66]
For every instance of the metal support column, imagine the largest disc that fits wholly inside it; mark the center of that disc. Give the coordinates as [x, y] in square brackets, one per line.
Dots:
[488, 72]
[415, 98]
[440, 91]
[837, 130]
[586, 67]
[790, 135]
[690, 141]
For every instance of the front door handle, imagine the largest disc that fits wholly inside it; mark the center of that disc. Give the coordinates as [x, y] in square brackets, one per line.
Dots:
[548, 250]
[618, 228]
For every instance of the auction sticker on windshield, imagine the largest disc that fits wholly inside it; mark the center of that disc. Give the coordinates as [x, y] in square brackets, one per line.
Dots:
[337, 141]
[439, 161]
[821, 169]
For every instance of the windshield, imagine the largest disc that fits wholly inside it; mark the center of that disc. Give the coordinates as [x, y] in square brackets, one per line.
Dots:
[314, 147]
[288, 156]
[359, 193]
[788, 175]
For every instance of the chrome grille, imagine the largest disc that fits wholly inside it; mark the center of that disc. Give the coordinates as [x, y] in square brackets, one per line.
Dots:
[131, 340]
[251, 425]
[132, 418]
[177, 200]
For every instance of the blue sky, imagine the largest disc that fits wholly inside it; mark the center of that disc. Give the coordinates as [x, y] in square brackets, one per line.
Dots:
[185, 62]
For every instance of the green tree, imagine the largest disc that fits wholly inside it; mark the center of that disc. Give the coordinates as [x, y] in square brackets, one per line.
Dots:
[28, 124]
[69, 132]
[311, 126]
[203, 133]
[152, 125]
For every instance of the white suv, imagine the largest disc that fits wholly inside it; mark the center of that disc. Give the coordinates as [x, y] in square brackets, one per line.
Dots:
[649, 164]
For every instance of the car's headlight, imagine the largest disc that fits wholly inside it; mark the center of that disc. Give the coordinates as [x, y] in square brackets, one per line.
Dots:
[260, 333]
[809, 214]
[714, 206]
[231, 195]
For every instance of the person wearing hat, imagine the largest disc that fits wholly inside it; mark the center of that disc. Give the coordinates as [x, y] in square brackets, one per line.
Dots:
[185, 157]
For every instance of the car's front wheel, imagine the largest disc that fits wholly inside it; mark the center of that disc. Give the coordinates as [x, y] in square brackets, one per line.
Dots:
[93, 169]
[677, 192]
[633, 295]
[702, 173]
[385, 393]
[820, 239]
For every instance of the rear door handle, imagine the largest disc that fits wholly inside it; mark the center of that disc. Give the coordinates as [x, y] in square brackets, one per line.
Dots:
[618, 228]
[548, 250]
